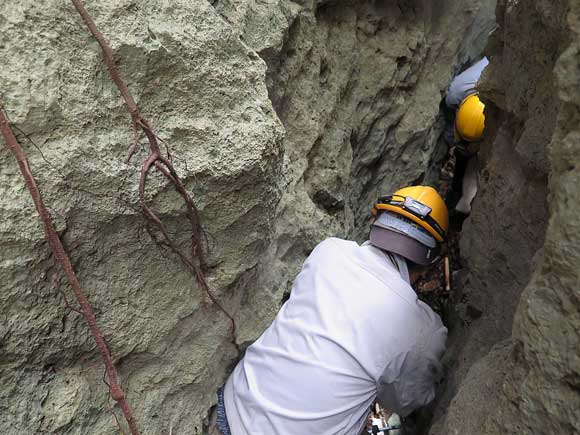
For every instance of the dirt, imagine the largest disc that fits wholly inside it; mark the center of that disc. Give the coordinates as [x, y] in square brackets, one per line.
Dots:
[434, 288]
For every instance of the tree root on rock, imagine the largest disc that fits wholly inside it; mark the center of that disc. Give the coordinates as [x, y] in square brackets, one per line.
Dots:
[195, 262]
[53, 239]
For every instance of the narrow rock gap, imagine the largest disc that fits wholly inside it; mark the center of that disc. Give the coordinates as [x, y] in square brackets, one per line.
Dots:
[333, 200]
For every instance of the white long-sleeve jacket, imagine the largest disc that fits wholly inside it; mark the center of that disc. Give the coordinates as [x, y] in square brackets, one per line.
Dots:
[353, 329]
[464, 84]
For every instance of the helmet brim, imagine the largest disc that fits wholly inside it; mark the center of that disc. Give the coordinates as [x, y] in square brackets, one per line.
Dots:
[395, 222]
[402, 244]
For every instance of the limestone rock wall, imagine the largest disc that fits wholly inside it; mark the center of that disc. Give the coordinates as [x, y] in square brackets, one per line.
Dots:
[528, 382]
[357, 86]
[205, 92]
[284, 118]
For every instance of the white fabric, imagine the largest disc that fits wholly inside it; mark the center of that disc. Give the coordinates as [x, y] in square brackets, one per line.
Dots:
[352, 328]
[464, 84]
[469, 185]
[399, 263]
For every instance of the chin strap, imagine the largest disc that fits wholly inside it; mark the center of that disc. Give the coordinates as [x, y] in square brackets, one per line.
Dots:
[393, 260]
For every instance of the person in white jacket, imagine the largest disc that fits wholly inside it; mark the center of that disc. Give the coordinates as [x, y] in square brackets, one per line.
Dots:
[352, 331]
[465, 132]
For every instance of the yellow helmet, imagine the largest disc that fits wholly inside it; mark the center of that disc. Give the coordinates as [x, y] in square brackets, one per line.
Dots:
[421, 204]
[470, 119]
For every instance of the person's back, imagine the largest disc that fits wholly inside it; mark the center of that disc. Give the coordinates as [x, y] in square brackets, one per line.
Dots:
[464, 84]
[352, 328]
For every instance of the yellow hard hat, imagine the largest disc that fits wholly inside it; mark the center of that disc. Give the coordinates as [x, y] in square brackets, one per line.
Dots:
[470, 119]
[422, 204]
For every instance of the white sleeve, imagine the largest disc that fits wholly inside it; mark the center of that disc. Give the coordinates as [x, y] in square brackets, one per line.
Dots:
[464, 83]
[410, 382]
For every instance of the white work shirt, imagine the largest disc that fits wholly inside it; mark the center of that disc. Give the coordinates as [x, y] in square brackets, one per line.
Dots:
[353, 329]
[464, 84]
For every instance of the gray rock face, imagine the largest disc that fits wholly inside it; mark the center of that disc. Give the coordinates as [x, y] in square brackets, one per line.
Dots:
[532, 83]
[356, 86]
[205, 92]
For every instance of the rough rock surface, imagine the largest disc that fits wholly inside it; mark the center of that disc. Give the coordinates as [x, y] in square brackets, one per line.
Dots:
[206, 93]
[532, 378]
[357, 87]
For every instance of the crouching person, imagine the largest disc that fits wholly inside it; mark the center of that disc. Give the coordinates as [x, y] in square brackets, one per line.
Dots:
[352, 331]
[466, 132]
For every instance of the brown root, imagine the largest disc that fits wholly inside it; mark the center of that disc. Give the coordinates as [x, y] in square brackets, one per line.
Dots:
[196, 262]
[63, 259]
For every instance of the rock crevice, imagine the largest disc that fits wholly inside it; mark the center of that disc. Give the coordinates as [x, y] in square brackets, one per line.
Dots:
[514, 367]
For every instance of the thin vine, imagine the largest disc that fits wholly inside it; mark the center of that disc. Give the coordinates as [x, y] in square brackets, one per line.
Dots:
[196, 261]
[59, 252]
